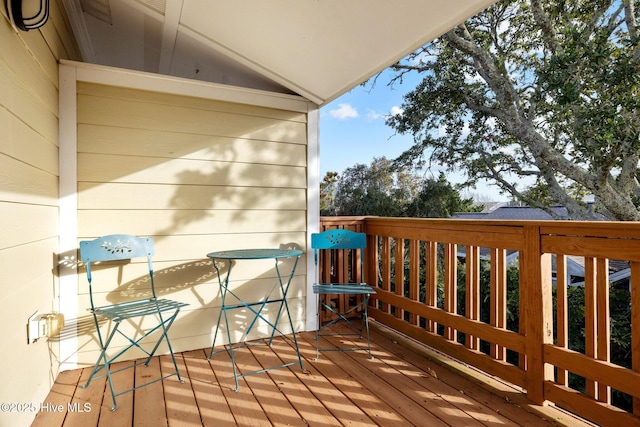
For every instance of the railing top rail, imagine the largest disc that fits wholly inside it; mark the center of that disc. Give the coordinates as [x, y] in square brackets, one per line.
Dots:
[604, 229]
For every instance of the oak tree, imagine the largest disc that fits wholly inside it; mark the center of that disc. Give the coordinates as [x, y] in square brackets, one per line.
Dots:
[545, 92]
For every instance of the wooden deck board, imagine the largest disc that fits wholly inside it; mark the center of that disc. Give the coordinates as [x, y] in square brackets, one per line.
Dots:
[121, 381]
[210, 400]
[399, 386]
[400, 401]
[411, 394]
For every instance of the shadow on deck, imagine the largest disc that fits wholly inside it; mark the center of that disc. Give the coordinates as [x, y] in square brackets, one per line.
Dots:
[405, 384]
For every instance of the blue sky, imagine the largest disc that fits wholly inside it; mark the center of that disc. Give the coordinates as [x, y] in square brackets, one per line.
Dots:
[353, 130]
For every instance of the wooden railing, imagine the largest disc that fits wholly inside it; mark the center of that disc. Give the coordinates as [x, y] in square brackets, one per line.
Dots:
[497, 295]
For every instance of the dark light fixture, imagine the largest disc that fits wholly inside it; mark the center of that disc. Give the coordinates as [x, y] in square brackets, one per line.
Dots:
[28, 14]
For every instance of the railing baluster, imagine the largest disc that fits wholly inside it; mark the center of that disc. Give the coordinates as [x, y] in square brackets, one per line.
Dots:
[371, 265]
[399, 276]
[386, 270]
[590, 319]
[431, 280]
[498, 298]
[562, 315]
[414, 277]
[635, 331]
[472, 303]
[603, 313]
[451, 286]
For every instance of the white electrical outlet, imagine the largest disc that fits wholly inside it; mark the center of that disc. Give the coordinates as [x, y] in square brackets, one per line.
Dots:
[33, 327]
[44, 325]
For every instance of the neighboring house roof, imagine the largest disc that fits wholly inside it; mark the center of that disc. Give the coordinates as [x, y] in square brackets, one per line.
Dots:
[317, 49]
[491, 206]
[621, 276]
[516, 213]
[574, 265]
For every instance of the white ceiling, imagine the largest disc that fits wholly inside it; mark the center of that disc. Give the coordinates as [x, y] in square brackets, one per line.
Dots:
[315, 48]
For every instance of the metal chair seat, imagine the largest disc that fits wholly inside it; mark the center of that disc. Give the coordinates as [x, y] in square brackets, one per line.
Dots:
[342, 289]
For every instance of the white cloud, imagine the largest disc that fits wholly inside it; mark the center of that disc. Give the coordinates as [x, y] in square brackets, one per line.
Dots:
[396, 111]
[343, 112]
[374, 115]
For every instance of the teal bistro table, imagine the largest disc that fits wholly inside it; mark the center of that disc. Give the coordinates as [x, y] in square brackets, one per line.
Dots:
[264, 294]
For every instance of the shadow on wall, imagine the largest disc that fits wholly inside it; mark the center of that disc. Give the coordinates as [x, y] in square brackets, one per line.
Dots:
[205, 166]
[174, 279]
[169, 280]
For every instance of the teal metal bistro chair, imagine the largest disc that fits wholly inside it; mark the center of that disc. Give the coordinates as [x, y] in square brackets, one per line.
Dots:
[349, 246]
[124, 247]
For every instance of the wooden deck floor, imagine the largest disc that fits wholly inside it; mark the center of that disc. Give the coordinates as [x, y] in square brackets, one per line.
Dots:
[398, 387]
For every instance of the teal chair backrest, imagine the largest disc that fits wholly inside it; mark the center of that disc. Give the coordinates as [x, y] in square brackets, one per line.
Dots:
[338, 239]
[116, 247]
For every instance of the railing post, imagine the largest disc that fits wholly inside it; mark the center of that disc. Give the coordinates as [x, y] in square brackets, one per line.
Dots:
[536, 307]
[635, 333]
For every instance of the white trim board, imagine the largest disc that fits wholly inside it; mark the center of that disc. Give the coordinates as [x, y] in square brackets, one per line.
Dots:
[68, 211]
[313, 209]
[112, 76]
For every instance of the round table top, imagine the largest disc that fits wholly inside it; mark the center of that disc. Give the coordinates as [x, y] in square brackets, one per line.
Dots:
[255, 253]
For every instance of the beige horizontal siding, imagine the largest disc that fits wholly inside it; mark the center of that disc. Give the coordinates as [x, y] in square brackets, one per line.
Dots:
[36, 107]
[100, 139]
[188, 221]
[35, 81]
[158, 196]
[20, 141]
[198, 295]
[127, 94]
[22, 183]
[25, 223]
[29, 198]
[27, 370]
[139, 114]
[127, 169]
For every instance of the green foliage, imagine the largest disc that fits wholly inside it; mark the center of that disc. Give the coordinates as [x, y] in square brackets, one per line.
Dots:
[382, 189]
[437, 198]
[513, 293]
[328, 194]
[620, 327]
[375, 190]
[540, 90]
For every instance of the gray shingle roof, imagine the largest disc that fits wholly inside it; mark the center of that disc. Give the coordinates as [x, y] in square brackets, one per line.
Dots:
[515, 212]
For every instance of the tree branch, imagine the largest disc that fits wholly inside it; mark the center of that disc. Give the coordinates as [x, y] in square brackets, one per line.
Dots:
[575, 209]
[627, 179]
[548, 33]
[612, 21]
[500, 85]
[632, 26]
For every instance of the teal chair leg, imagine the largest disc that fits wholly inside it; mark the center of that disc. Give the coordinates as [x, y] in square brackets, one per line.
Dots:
[364, 327]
